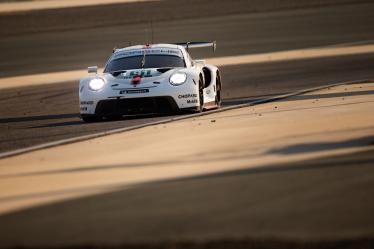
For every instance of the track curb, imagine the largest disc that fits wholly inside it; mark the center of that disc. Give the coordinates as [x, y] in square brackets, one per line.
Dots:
[120, 130]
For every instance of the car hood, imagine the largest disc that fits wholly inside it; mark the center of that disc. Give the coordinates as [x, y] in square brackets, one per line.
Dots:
[146, 77]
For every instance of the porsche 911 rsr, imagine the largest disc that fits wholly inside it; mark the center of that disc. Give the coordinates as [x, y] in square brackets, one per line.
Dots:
[160, 78]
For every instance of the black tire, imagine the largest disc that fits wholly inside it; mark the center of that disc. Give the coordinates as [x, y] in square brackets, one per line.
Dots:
[201, 94]
[91, 118]
[218, 91]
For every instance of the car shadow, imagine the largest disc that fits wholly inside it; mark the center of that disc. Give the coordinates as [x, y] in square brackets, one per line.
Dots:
[105, 120]
[323, 146]
[38, 118]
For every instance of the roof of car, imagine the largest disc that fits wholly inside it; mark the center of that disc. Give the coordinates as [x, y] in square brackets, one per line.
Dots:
[161, 45]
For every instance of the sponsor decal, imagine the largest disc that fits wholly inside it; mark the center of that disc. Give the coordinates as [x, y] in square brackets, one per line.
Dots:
[148, 51]
[87, 102]
[136, 80]
[187, 96]
[134, 91]
[191, 101]
[141, 73]
[191, 98]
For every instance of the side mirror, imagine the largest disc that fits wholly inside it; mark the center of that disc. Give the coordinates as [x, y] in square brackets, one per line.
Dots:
[92, 69]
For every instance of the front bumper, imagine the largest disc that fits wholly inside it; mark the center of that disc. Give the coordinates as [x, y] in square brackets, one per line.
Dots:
[132, 106]
[162, 98]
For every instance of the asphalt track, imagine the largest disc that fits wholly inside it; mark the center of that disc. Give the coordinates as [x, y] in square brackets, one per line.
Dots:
[34, 115]
[58, 40]
[51, 112]
[296, 173]
[305, 197]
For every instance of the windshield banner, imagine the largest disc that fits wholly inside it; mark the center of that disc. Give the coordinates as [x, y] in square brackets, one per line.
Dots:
[149, 51]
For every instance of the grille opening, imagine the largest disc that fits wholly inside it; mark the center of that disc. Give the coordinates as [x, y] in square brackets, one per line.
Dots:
[163, 69]
[131, 106]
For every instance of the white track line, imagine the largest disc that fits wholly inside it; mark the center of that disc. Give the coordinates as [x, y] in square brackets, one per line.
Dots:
[57, 4]
[299, 54]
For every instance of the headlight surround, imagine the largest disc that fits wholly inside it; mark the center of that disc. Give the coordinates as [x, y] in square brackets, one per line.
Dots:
[178, 78]
[96, 84]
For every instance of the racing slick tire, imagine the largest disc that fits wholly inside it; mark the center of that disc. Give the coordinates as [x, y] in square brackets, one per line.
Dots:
[218, 91]
[91, 118]
[200, 108]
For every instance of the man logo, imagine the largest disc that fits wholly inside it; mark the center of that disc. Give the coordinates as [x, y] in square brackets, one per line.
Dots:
[136, 80]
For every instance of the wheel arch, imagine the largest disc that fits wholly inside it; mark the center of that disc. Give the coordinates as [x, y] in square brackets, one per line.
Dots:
[209, 72]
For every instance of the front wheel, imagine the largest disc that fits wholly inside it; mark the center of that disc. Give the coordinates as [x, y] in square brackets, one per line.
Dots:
[201, 95]
[218, 99]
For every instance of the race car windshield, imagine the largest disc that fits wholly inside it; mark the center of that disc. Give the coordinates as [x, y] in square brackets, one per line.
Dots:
[147, 61]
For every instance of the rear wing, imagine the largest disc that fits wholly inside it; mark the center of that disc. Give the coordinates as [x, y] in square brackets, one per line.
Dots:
[188, 45]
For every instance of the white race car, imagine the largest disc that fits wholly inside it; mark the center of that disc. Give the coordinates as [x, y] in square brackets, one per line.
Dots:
[159, 78]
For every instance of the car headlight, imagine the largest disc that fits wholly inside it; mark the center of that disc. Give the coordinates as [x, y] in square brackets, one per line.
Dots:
[96, 84]
[178, 78]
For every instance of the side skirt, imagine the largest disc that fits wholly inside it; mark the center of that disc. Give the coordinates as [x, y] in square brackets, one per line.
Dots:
[210, 105]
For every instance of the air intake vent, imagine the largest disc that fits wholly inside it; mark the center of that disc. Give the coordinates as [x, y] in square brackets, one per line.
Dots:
[116, 73]
[164, 69]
